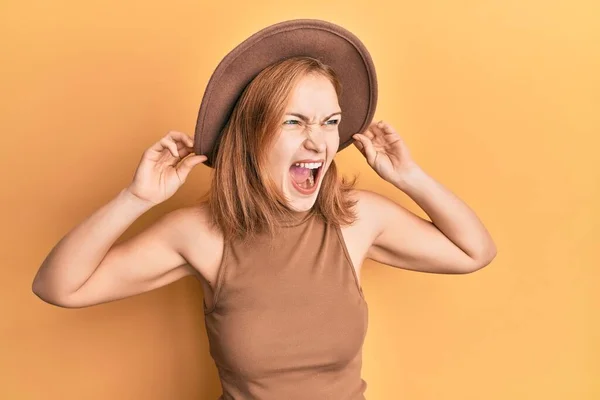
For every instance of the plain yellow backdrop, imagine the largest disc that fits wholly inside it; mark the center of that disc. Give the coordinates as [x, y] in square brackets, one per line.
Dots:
[498, 100]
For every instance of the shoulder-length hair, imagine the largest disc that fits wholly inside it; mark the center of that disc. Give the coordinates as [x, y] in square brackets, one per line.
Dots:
[243, 199]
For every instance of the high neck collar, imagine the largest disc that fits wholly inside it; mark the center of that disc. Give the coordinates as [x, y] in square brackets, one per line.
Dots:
[296, 218]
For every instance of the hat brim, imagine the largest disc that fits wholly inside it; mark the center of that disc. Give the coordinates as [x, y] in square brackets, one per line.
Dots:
[330, 43]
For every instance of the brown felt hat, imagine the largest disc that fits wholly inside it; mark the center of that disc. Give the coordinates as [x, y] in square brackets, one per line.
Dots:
[325, 41]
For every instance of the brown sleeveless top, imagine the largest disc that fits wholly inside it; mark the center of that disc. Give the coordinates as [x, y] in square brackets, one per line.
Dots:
[288, 321]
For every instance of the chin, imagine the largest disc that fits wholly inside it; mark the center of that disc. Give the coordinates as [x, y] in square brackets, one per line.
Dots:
[299, 202]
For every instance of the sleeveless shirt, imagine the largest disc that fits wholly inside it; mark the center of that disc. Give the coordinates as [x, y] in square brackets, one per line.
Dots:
[288, 319]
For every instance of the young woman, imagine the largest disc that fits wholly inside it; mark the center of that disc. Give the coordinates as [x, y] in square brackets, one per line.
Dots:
[279, 242]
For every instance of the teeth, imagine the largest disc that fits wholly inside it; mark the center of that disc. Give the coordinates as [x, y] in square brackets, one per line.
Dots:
[309, 165]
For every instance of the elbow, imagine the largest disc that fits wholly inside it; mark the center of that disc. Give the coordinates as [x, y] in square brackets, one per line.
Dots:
[482, 260]
[37, 287]
[45, 294]
[52, 300]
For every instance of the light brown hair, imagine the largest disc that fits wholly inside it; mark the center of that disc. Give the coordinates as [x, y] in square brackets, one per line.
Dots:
[243, 200]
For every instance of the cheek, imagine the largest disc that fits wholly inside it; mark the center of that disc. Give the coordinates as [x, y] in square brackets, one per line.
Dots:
[278, 167]
[334, 143]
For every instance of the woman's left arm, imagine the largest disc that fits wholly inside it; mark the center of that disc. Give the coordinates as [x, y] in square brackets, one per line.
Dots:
[455, 241]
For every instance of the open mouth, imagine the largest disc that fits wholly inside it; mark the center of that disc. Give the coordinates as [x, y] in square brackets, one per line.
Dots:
[305, 176]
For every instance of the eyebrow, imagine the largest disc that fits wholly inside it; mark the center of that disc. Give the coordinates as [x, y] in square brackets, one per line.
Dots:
[305, 118]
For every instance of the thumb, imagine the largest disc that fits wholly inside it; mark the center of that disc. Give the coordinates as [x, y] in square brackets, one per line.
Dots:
[366, 147]
[186, 165]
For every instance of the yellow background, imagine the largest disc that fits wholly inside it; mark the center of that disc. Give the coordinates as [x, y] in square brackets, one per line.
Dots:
[498, 100]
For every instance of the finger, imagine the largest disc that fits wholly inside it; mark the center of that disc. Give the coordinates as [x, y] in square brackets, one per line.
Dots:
[181, 137]
[379, 129]
[389, 134]
[168, 143]
[184, 151]
[369, 132]
[384, 134]
[163, 144]
[368, 149]
[182, 145]
[186, 165]
[359, 145]
[386, 128]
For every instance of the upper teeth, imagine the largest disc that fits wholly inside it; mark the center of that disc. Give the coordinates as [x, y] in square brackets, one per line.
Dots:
[309, 165]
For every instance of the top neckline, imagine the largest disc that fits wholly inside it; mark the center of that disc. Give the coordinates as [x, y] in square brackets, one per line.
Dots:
[297, 218]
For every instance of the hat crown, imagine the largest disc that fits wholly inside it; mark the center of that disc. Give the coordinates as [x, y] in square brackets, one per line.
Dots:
[323, 40]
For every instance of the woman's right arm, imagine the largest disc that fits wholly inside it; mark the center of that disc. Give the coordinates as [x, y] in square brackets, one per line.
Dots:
[87, 268]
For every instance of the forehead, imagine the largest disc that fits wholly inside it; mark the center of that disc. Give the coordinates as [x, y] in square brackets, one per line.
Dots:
[313, 90]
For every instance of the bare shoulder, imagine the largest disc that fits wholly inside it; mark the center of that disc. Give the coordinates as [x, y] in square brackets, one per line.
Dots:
[372, 208]
[202, 244]
[368, 210]
[380, 210]
[360, 235]
[374, 212]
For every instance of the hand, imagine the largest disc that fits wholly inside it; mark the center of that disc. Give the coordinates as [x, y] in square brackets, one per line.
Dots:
[385, 152]
[158, 176]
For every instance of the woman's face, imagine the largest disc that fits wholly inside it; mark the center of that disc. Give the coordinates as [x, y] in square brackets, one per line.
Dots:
[308, 134]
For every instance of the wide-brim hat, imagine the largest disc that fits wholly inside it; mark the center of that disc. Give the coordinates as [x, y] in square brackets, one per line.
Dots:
[325, 41]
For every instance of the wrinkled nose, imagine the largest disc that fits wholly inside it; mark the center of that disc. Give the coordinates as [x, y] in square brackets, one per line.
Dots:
[315, 140]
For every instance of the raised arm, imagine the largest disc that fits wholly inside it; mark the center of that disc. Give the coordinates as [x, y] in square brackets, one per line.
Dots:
[86, 267]
[454, 242]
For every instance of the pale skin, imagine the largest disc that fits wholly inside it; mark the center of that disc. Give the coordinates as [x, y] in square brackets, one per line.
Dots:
[86, 267]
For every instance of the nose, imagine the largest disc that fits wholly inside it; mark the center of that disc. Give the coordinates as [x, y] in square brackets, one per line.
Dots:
[315, 139]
